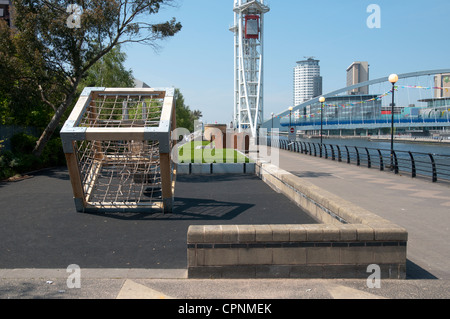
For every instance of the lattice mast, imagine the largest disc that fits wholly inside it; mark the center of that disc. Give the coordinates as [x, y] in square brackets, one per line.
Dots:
[248, 31]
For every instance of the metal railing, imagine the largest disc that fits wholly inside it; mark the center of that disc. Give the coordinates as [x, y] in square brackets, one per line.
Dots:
[416, 164]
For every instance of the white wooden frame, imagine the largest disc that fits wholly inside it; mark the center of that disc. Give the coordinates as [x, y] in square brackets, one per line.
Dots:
[73, 132]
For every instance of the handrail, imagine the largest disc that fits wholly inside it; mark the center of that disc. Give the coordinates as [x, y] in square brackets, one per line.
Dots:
[415, 164]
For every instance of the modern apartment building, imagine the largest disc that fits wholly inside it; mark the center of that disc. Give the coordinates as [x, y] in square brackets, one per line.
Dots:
[358, 72]
[5, 12]
[307, 80]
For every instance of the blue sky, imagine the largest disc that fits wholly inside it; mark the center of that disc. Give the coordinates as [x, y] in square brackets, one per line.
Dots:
[199, 59]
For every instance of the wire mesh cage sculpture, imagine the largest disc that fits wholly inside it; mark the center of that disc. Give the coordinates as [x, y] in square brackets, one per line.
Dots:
[117, 144]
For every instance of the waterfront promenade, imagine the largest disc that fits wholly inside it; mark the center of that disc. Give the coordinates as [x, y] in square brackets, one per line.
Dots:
[158, 272]
[420, 206]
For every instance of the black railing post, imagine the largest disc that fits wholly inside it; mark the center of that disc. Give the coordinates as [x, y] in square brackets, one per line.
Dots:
[358, 162]
[381, 160]
[325, 148]
[369, 164]
[333, 157]
[413, 165]
[348, 155]
[395, 162]
[433, 166]
[315, 152]
[339, 153]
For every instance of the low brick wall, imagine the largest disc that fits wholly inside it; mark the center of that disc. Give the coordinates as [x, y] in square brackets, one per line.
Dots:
[347, 241]
[215, 168]
[292, 251]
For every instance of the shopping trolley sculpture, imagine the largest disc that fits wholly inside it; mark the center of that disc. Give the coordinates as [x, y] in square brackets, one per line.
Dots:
[117, 144]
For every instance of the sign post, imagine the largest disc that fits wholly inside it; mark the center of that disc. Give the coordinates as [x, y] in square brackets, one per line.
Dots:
[292, 135]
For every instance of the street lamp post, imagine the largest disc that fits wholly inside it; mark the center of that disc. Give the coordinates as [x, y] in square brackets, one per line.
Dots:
[321, 100]
[290, 122]
[272, 120]
[290, 113]
[393, 78]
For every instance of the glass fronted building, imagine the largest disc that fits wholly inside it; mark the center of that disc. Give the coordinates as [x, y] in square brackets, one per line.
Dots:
[340, 108]
[437, 108]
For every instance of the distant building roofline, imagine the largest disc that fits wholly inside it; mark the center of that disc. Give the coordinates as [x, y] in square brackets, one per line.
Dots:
[356, 62]
[140, 84]
[435, 99]
[308, 60]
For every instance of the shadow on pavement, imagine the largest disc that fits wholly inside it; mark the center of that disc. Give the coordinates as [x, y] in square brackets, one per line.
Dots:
[311, 174]
[185, 209]
[414, 271]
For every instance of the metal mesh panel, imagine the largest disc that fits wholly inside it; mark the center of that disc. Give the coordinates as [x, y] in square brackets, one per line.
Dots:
[112, 110]
[120, 174]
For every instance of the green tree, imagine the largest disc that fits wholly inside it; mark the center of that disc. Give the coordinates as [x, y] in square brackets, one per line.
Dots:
[109, 71]
[20, 99]
[60, 47]
[185, 117]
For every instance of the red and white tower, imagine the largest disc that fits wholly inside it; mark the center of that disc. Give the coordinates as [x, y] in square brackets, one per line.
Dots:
[248, 64]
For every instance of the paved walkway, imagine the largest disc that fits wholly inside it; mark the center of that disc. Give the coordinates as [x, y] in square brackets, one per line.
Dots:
[420, 206]
[172, 284]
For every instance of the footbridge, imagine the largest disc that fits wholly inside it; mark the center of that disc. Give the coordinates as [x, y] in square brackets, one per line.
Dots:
[421, 104]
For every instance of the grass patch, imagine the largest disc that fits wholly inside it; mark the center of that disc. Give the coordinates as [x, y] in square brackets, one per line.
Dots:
[189, 153]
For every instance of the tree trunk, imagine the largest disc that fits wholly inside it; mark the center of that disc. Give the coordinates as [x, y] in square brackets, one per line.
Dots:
[53, 124]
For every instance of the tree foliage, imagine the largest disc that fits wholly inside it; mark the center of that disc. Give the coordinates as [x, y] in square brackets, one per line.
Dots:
[185, 116]
[56, 56]
[109, 71]
[20, 99]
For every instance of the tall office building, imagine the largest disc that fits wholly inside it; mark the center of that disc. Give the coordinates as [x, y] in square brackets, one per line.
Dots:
[358, 72]
[442, 81]
[307, 80]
